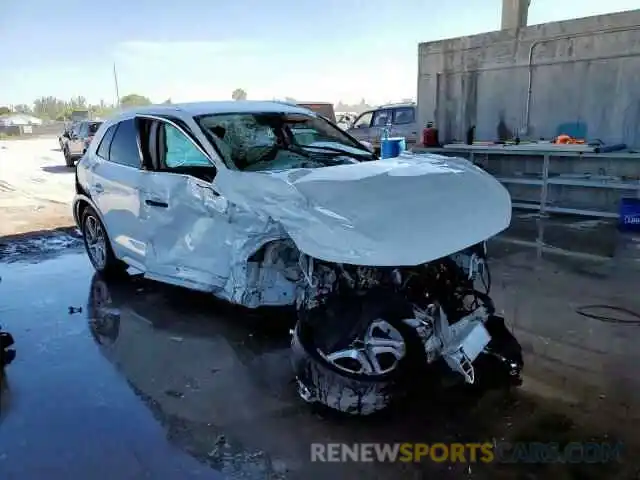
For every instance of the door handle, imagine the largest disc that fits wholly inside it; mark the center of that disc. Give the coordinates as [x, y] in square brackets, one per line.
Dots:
[156, 203]
[99, 188]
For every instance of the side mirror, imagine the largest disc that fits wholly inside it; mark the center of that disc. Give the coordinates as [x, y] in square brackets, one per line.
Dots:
[367, 145]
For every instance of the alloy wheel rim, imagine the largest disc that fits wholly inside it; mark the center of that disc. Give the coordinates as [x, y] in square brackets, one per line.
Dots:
[96, 242]
[377, 352]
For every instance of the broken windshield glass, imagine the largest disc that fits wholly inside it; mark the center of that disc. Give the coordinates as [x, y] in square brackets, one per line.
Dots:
[279, 141]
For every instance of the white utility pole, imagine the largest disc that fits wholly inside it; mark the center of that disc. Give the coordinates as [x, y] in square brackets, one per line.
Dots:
[115, 79]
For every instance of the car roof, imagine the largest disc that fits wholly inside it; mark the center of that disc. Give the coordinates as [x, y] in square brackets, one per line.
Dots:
[211, 108]
[313, 103]
[396, 105]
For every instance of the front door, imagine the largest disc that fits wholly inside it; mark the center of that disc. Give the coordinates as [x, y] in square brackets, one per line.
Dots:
[361, 129]
[381, 118]
[185, 220]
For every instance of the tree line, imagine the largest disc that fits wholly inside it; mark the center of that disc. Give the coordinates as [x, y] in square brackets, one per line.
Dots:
[53, 108]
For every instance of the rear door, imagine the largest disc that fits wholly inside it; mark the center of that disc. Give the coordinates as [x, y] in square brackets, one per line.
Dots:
[380, 120]
[116, 172]
[404, 124]
[185, 220]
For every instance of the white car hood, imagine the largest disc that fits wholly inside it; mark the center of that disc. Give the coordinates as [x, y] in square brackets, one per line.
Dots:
[397, 212]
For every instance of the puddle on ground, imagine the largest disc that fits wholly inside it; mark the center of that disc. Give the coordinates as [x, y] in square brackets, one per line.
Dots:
[149, 379]
[35, 248]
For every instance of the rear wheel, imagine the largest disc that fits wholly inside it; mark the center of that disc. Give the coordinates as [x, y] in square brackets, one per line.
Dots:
[98, 245]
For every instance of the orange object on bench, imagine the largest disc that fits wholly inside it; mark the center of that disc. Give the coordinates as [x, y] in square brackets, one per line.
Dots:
[568, 140]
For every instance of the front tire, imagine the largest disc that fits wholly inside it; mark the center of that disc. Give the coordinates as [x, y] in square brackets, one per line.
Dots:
[98, 246]
[322, 381]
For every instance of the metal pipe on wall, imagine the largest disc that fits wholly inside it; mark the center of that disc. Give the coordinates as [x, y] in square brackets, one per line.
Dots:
[527, 109]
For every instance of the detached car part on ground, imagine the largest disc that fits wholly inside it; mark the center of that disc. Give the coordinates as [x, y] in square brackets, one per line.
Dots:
[267, 204]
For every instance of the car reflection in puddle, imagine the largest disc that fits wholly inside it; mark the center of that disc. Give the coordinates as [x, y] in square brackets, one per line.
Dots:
[197, 372]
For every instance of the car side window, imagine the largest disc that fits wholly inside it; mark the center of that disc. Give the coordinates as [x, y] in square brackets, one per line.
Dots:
[83, 130]
[105, 143]
[404, 115]
[381, 118]
[124, 146]
[364, 120]
[181, 151]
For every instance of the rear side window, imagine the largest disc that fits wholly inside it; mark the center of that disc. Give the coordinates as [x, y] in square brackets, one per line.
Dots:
[105, 143]
[124, 146]
[404, 115]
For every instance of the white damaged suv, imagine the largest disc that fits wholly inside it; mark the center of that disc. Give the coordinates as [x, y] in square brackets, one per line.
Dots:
[269, 204]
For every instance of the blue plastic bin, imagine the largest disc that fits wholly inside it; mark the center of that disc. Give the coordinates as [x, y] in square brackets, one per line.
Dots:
[629, 214]
[392, 147]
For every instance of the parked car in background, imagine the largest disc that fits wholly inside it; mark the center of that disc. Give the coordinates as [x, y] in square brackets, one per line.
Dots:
[270, 204]
[78, 139]
[402, 117]
[321, 108]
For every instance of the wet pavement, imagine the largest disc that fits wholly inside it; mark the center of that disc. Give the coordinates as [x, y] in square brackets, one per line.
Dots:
[140, 380]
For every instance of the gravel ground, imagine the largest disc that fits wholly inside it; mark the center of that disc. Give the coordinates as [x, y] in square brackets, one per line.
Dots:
[36, 188]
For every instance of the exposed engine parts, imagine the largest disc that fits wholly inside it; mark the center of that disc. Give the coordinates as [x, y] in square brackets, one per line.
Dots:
[362, 329]
[371, 323]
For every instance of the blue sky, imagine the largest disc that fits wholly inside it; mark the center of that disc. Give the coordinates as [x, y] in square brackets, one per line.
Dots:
[202, 49]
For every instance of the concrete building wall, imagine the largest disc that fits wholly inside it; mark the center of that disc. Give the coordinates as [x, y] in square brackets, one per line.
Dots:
[583, 71]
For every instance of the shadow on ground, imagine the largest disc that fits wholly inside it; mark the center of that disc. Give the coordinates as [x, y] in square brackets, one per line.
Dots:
[58, 169]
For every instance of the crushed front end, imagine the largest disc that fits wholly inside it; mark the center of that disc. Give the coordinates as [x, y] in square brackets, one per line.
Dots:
[367, 335]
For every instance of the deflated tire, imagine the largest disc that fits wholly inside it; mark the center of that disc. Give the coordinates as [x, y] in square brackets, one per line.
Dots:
[342, 363]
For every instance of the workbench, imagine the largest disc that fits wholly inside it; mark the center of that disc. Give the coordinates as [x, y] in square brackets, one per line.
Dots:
[557, 181]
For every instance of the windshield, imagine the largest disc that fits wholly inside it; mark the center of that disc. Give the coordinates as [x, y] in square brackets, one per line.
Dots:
[280, 141]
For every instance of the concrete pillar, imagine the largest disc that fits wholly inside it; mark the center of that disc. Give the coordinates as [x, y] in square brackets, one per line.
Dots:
[514, 13]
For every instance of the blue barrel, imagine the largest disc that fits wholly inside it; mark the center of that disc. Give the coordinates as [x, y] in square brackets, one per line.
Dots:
[392, 147]
[629, 214]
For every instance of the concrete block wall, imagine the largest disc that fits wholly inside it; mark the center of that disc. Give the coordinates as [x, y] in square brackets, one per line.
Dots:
[585, 70]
